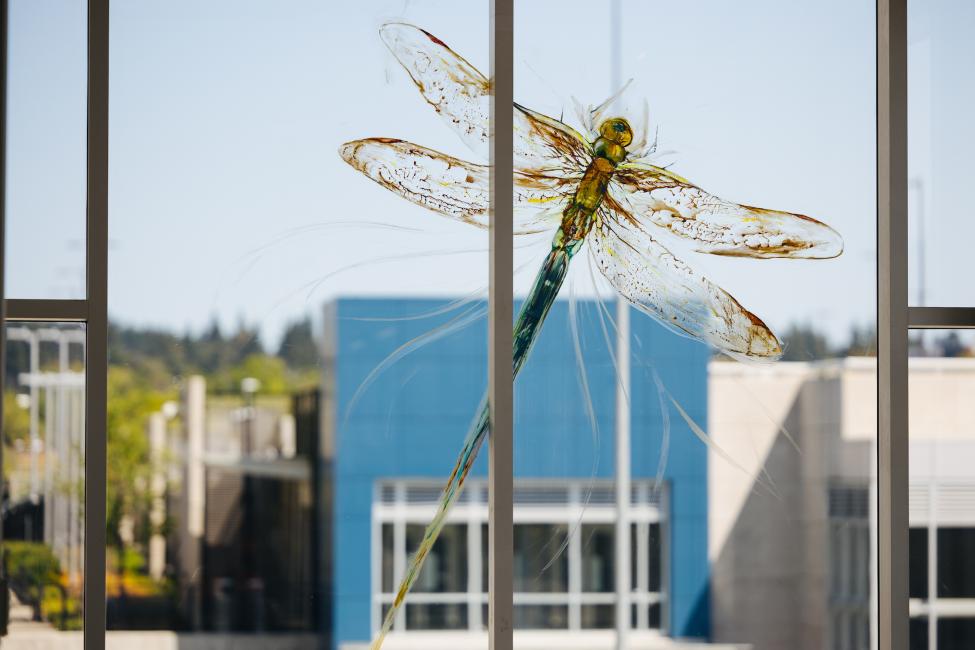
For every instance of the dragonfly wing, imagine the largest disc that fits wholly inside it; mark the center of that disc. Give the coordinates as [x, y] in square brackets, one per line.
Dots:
[461, 95]
[649, 277]
[455, 88]
[544, 145]
[646, 193]
[453, 187]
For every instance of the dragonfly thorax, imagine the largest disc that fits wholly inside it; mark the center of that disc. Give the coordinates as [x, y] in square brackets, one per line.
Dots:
[614, 136]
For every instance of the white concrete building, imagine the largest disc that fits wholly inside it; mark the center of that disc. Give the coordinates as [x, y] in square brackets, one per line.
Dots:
[790, 501]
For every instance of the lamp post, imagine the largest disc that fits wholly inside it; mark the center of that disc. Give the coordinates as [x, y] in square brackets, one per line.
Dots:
[253, 582]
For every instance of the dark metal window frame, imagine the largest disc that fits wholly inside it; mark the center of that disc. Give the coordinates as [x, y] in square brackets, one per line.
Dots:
[91, 311]
[894, 319]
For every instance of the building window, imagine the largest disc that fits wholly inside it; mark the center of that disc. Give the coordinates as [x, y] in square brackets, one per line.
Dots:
[849, 563]
[956, 564]
[563, 557]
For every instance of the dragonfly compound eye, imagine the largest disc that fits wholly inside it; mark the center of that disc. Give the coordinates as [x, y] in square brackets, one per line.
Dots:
[617, 130]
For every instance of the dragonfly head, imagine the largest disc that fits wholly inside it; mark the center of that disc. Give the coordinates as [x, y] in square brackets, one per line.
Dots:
[617, 130]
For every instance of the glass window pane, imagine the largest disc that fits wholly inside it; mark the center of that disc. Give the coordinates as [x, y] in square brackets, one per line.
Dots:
[541, 617]
[446, 567]
[46, 149]
[940, 139]
[306, 337]
[956, 562]
[436, 617]
[43, 471]
[598, 617]
[535, 568]
[389, 552]
[654, 558]
[597, 558]
[749, 405]
[956, 633]
[918, 557]
[919, 634]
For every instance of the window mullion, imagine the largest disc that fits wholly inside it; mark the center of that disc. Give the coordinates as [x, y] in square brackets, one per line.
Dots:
[96, 363]
[500, 318]
[892, 324]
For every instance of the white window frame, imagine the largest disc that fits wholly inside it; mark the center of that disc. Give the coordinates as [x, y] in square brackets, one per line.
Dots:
[472, 512]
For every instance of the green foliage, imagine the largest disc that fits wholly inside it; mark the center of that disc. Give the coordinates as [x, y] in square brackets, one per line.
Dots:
[132, 399]
[298, 348]
[16, 420]
[31, 568]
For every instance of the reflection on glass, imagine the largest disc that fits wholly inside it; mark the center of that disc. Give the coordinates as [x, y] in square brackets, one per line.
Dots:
[436, 617]
[535, 568]
[446, 568]
[597, 558]
[541, 617]
[43, 496]
[598, 617]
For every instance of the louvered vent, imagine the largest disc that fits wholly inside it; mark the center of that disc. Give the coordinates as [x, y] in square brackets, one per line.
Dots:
[541, 496]
[956, 503]
[917, 502]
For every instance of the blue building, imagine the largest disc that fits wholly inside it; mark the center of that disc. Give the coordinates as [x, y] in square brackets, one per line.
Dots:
[393, 436]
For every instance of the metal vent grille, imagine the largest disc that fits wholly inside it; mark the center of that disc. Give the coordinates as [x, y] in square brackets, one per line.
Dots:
[541, 496]
[956, 503]
[917, 502]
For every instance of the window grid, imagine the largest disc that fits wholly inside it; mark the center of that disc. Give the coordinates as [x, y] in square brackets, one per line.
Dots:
[398, 505]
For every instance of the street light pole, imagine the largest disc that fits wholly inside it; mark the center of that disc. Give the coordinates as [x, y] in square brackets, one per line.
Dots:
[622, 547]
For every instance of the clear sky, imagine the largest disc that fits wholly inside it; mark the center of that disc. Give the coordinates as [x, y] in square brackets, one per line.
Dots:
[226, 117]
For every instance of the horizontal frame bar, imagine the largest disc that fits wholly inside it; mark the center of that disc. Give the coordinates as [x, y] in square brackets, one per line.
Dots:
[941, 317]
[65, 311]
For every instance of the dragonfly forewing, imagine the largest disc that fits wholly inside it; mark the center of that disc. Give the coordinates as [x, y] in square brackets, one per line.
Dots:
[455, 188]
[461, 95]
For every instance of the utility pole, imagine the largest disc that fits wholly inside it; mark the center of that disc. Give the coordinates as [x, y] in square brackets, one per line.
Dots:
[622, 548]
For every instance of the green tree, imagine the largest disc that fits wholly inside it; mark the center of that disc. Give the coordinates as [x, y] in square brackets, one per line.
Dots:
[31, 567]
[298, 347]
[129, 471]
[803, 343]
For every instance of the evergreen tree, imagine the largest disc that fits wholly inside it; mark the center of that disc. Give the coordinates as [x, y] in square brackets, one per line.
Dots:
[298, 348]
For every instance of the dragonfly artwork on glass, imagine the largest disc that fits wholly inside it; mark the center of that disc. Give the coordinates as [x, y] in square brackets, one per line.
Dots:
[596, 188]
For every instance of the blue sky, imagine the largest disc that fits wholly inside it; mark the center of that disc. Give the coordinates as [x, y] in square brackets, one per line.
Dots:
[226, 117]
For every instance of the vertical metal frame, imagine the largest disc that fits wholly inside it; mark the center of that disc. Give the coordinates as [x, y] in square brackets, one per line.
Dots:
[96, 361]
[500, 316]
[4, 598]
[892, 325]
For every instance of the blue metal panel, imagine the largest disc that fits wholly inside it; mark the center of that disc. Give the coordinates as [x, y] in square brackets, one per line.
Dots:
[411, 419]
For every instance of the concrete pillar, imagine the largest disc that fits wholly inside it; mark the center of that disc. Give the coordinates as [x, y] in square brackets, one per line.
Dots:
[193, 498]
[157, 515]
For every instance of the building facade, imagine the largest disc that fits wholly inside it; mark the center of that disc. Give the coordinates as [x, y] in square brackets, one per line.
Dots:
[392, 438]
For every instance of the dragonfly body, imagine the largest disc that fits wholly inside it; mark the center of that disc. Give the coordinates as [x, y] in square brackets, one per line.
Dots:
[608, 196]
